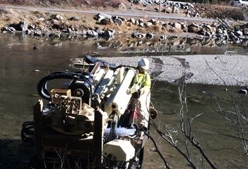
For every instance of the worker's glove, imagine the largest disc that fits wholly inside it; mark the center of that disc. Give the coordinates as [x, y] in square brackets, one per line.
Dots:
[142, 91]
[133, 89]
[128, 91]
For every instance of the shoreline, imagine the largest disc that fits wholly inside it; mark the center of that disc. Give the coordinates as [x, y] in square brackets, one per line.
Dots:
[227, 70]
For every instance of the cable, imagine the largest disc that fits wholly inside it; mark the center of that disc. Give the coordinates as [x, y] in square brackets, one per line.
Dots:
[154, 143]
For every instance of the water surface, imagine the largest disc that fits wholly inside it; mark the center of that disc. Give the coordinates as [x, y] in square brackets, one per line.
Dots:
[22, 66]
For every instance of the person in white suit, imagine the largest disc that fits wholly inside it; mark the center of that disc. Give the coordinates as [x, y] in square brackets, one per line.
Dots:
[140, 90]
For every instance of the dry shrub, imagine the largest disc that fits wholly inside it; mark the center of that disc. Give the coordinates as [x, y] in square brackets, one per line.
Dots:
[105, 4]
[40, 14]
[75, 3]
[126, 27]
[3, 11]
[157, 28]
[222, 12]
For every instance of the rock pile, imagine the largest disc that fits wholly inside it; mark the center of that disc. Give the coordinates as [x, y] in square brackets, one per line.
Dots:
[170, 7]
[151, 29]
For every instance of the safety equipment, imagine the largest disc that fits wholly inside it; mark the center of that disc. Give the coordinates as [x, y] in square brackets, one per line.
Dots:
[133, 89]
[144, 63]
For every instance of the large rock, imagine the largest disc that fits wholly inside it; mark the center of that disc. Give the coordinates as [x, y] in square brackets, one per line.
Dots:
[21, 26]
[122, 6]
[193, 28]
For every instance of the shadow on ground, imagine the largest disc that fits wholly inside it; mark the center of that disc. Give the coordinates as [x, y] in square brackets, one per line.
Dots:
[15, 154]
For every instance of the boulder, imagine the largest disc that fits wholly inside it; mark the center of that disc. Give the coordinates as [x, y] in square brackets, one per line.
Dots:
[193, 28]
[100, 16]
[21, 26]
[122, 6]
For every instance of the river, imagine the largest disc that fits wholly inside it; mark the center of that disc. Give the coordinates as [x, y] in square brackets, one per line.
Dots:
[25, 60]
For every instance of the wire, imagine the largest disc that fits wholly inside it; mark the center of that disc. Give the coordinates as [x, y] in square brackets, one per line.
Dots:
[157, 150]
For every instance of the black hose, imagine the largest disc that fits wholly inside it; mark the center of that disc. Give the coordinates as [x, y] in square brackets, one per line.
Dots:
[42, 85]
[27, 132]
[91, 60]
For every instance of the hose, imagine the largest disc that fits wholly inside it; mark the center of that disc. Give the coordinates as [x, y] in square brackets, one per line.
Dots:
[42, 85]
[27, 132]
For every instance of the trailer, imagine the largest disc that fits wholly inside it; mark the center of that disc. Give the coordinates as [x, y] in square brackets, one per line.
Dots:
[89, 122]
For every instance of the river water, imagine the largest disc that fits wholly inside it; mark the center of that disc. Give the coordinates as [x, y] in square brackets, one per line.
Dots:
[25, 60]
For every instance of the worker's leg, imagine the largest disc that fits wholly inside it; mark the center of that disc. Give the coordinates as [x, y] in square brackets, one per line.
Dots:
[144, 109]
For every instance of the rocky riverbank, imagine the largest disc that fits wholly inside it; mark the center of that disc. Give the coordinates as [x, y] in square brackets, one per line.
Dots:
[143, 32]
[71, 24]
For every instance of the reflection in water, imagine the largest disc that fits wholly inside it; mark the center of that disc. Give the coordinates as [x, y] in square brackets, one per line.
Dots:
[219, 135]
[21, 68]
[170, 46]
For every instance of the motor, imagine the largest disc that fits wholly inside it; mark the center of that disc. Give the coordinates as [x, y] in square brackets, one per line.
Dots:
[81, 84]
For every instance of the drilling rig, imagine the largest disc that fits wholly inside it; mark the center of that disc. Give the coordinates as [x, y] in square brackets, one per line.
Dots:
[91, 122]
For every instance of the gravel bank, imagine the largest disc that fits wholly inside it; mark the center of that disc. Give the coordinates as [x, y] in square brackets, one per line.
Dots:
[227, 70]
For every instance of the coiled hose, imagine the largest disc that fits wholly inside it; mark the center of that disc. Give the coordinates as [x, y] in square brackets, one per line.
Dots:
[27, 132]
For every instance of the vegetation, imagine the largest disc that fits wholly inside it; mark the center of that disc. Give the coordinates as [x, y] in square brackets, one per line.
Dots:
[208, 8]
[101, 3]
[96, 3]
